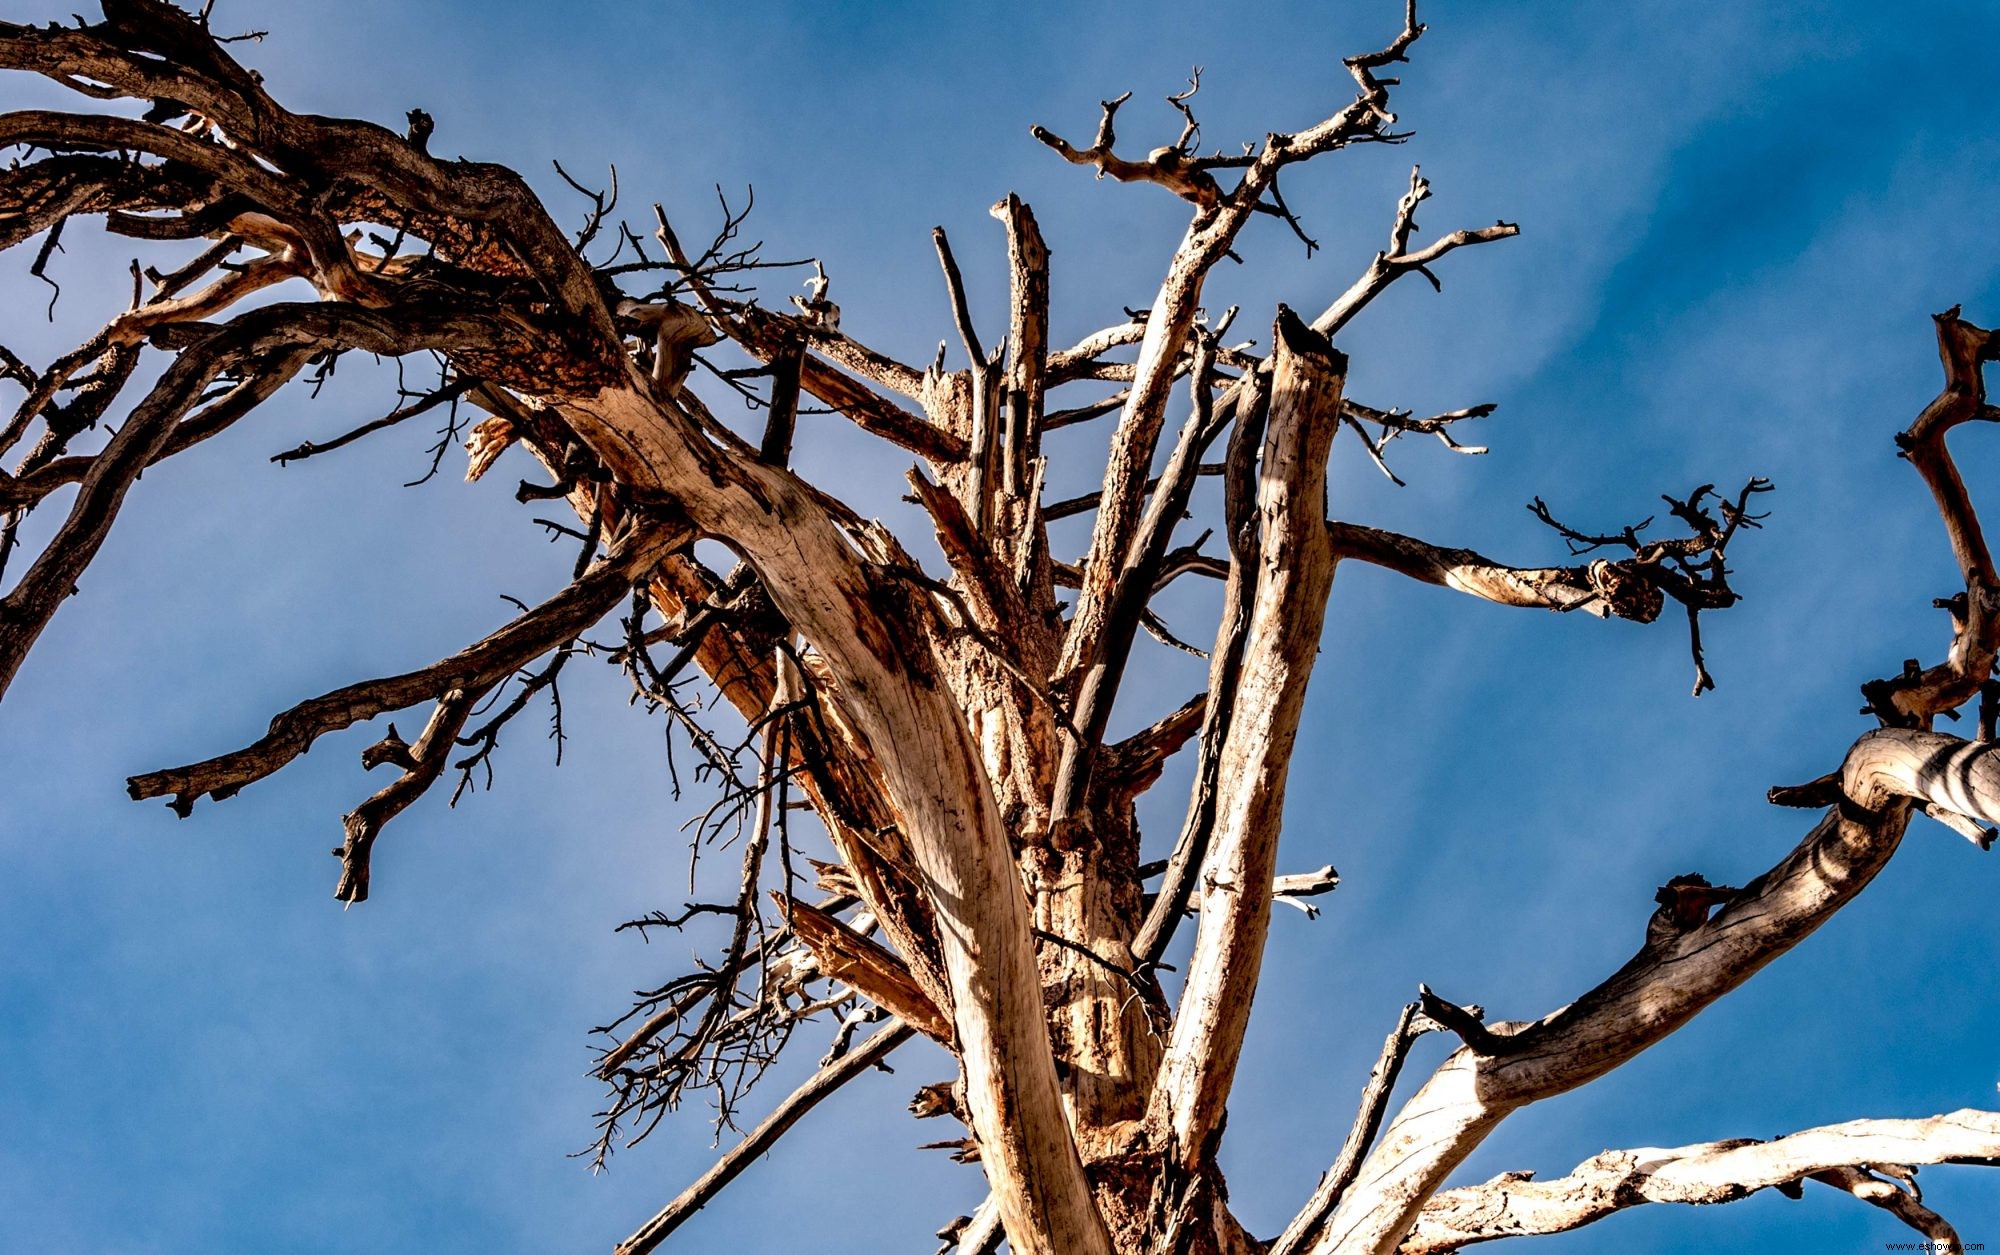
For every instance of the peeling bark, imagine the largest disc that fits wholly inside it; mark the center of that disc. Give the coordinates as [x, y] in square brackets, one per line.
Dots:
[1845, 1156]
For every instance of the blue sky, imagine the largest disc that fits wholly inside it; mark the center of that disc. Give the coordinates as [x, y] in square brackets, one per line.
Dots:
[1736, 222]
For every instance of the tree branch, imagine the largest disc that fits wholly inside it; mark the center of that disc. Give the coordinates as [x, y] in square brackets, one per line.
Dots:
[763, 335]
[1512, 1205]
[1601, 588]
[698, 1195]
[1172, 167]
[474, 668]
[1225, 669]
[1133, 587]
[1170, 320]
[1911, 700]
[871, 970]
[1690, 960]
[1398, 261]
[422, 764]
[276, 340]
[1287, 611]
[1027, 347]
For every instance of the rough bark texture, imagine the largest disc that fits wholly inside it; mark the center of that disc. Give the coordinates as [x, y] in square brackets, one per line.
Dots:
[1846, 1156]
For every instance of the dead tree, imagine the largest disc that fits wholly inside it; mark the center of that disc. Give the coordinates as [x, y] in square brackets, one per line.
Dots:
[944, 720]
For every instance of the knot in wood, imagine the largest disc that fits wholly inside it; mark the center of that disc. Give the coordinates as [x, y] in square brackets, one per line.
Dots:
[1626, 593]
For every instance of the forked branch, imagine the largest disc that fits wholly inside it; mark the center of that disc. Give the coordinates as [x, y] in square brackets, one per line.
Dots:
[474, 669]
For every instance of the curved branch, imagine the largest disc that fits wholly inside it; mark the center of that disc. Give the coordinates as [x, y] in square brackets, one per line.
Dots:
[1688, 962]
[1841, 1155]
[891, 708]
[1072, 363]
[49, 581]
[1172, 167]
[40, 195]
[1690, 959]
[1398, 261]
[474, 668]
[286, 334]
[1913, 699]
[422, 764]
[151, 50]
